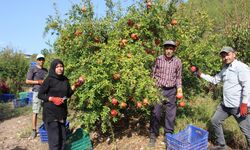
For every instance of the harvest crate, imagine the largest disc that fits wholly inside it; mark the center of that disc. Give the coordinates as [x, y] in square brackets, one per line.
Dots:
[20, 102]
[191, 138]
[23, 94]
[7, 97]
[30, 97]
[26, 95]
[43, 132]
[79, 140]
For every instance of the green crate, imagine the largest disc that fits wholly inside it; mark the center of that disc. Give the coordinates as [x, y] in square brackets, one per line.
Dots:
[79, 140]
[23, 95]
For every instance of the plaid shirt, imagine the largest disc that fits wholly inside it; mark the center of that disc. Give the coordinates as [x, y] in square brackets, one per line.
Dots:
[168, 72]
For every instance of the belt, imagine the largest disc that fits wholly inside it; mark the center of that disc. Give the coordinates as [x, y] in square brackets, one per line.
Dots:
[167, 88]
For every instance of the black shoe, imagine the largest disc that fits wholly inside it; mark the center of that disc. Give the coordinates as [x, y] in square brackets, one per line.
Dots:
[152, 141]
[165, 136]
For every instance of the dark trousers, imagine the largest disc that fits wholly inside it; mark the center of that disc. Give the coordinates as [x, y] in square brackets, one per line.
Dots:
[56, 135]
[169, 110]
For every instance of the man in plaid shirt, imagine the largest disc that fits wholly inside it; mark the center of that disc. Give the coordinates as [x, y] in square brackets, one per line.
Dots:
[167, 73]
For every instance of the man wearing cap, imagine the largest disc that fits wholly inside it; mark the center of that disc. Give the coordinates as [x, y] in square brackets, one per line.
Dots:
[235, 77]
[167, 72]
[35, 77]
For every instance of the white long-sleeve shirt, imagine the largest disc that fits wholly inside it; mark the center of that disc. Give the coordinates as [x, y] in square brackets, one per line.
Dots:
[236, 83]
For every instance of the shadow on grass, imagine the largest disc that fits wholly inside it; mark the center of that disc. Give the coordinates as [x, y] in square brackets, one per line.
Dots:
[7, 111]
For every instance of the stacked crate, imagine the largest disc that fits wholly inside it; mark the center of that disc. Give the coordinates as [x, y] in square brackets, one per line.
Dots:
[191, 138]
[19, 102]
[43, 132]
[23, 95]
[79, 140]
[25, 98]
[7, 97]
[30, 97]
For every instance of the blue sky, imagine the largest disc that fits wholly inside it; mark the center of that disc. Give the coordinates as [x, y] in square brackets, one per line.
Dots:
[23, 21]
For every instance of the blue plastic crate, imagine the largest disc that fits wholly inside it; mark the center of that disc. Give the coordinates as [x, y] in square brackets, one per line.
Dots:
[191, 138]
[26, 95]
[43, 132]
[30, 94]
[30, 98]
[7, 97]
[20, 102]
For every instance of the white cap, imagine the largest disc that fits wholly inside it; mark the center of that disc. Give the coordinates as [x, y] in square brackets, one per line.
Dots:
[39, 56]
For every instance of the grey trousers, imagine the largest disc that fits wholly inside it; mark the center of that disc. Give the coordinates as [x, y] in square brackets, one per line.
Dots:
[223, 113]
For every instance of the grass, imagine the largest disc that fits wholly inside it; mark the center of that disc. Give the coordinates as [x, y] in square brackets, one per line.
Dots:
[199, 112]
[233, 135]
[26, 132]
[8, 111]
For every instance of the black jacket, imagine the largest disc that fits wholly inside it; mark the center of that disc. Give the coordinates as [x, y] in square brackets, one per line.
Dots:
[56, 86]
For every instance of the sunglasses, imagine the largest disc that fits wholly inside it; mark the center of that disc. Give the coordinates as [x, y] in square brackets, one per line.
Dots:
[41, 59]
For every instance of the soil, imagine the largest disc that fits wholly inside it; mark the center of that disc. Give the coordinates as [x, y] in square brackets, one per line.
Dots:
[15, 132]
[14, 135]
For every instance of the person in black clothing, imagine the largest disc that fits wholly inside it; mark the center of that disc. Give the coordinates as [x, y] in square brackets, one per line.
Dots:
[54, 92]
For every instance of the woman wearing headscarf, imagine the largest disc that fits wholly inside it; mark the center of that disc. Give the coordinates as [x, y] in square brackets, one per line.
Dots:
[54, 92]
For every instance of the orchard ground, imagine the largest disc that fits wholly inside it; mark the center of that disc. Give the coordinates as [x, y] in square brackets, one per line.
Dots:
[15, 128]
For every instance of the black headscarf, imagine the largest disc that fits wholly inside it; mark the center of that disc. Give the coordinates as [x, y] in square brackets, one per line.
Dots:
[52, 69]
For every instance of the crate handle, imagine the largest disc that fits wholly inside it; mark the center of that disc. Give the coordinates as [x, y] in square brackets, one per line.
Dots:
[199, 132]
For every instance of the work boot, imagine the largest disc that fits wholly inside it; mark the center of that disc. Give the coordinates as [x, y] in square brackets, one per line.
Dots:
[33, 134]
[165, 136]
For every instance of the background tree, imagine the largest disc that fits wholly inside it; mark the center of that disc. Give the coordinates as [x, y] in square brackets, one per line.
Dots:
[116, 53]
[231, 21]
[13, 66]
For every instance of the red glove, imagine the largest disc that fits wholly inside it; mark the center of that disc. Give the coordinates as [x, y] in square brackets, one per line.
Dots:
[79, 82]
[56, 100]
[40, 82]
[243, 109]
